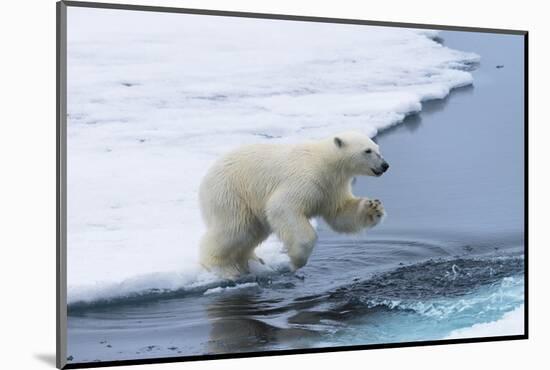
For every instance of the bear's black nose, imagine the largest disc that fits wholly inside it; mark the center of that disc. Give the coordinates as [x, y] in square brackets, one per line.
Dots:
[385, 166]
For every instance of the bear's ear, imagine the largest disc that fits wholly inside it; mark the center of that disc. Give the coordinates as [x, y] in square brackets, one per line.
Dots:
[339, 143]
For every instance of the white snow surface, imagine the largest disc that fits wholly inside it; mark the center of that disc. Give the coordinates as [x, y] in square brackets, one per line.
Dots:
[155, 98]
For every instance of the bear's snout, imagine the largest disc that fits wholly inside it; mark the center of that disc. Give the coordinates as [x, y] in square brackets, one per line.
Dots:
[381, 169]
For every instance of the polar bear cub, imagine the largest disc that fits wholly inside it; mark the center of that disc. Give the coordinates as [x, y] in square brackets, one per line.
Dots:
[261, 189]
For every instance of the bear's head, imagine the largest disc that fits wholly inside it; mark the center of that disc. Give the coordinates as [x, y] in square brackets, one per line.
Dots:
[359, 155]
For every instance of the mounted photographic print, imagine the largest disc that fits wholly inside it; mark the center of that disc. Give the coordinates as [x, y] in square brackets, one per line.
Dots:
[237, 184]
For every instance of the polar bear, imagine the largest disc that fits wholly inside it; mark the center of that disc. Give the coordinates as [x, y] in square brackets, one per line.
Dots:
[261, 189]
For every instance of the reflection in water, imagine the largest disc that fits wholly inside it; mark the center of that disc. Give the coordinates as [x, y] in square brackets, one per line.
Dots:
[237, 325]
[413, 121]
[375, 290]
[276, 315]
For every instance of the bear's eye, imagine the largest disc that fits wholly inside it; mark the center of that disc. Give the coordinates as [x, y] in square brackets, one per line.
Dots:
[368, 151]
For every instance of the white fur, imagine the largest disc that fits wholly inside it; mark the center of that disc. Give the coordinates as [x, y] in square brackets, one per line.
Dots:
[264, 188]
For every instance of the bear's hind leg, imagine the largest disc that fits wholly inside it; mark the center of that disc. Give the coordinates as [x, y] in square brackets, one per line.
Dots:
[226, 252]
[295, 231]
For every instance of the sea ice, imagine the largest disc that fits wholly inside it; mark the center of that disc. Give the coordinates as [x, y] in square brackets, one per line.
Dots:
[155, 98]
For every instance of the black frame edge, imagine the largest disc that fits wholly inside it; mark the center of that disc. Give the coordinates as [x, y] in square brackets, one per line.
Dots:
[286, 17]
[526, 181]
[61, 176]
[290, 352]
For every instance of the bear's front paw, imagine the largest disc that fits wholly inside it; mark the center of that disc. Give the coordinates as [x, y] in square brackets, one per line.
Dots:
[372, 211]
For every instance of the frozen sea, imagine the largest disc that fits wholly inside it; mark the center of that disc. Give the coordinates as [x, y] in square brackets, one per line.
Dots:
[154, 99]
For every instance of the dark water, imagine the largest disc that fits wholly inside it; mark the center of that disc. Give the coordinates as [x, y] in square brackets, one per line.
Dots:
[449, 255]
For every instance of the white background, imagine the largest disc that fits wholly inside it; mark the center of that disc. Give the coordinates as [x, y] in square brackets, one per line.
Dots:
[27, 182]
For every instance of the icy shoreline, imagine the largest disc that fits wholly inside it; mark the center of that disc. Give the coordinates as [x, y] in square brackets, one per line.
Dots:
[151, 107]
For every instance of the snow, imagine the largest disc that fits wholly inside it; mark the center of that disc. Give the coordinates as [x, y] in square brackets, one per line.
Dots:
[218, 290]
[155, 98]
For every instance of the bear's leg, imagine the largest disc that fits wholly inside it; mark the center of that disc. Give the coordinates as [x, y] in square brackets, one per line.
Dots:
[254, 257]
[295, 231]
[356, 214]
[226, 251]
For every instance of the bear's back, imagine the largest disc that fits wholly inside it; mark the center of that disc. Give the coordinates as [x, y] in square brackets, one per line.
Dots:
[252, 173]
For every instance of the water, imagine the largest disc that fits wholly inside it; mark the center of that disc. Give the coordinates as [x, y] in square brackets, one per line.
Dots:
[449, 255]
